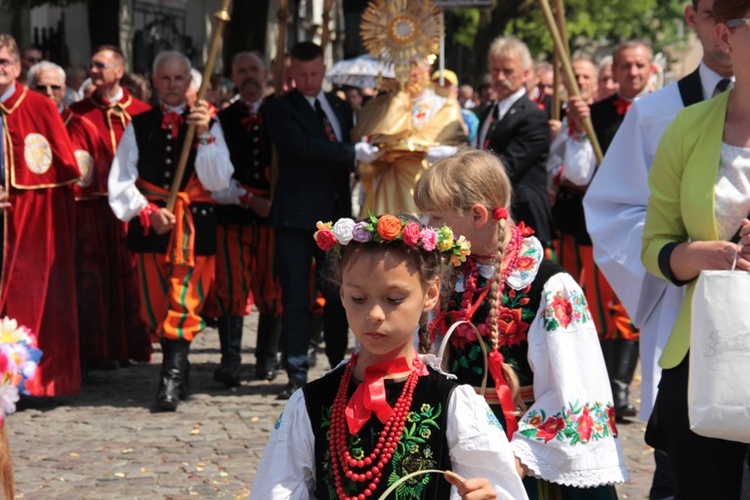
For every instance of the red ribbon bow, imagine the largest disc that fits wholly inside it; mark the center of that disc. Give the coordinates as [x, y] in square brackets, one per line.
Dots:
[174, 120]
[622, 105]
[370, 398]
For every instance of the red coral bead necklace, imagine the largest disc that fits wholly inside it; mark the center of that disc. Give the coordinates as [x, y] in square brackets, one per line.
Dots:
[370, 468]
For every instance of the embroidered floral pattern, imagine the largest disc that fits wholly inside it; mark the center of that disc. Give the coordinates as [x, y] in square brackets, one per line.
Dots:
[493, 421]
[575, 424]
[278, 421]
[529, 260]
[563, 311]
[412, 453]
[514, 317]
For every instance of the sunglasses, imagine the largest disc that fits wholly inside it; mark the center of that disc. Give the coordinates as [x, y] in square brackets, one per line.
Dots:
[100, 65]
[42, 88]
[736, 23]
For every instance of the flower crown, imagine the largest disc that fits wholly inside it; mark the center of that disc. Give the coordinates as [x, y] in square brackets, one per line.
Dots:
[331, 237]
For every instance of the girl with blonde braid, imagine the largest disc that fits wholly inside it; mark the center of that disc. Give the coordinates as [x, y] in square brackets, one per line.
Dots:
[533, 319]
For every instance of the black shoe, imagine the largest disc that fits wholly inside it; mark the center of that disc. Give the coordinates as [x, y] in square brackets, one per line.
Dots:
[174, 373]
[230, 338]
[261, 374]
[288, 390]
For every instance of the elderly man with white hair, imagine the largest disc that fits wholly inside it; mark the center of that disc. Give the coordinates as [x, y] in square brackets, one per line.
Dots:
[97, 229]
[514, 128]
[174, 250]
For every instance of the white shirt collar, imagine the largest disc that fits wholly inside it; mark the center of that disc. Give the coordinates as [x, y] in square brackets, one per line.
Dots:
[321, 97]
[176, 109]
[8, 93]
[253, 106]
[117, 97]
[504, 105]
[709, 79]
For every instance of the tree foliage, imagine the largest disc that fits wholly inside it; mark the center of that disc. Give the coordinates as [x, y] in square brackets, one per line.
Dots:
[590, 24]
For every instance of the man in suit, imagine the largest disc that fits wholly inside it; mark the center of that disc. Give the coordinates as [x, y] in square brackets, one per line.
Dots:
[514, 128]
[310, 130]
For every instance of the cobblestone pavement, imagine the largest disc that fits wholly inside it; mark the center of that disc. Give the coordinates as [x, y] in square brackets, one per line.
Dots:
[107, 443]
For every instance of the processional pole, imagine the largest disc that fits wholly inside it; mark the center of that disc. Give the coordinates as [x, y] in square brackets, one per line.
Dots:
[560, 18]
[222, 18]
[562, 54]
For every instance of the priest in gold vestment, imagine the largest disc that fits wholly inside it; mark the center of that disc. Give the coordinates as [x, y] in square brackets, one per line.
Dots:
[414, 127]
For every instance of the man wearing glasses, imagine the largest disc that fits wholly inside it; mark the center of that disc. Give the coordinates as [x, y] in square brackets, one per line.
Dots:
[38, 171]
[111, 108]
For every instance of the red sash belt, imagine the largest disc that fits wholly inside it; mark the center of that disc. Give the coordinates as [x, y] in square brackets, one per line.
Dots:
[181, 250]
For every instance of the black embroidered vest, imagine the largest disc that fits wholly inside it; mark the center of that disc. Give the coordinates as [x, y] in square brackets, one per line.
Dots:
[423, 444]
[158, 154]
[517, 312]
[250, 151]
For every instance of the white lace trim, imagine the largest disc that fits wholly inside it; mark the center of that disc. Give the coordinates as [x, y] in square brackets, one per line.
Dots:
[592, 470]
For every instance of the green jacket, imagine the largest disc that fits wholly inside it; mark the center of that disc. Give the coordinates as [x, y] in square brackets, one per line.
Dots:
[681, 205]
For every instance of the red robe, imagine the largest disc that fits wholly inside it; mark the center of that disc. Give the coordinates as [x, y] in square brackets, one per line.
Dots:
[102, 339]
[37, 287]
[111, 119]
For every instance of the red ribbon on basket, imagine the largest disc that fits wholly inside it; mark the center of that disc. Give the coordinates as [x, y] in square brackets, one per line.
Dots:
[495, 362]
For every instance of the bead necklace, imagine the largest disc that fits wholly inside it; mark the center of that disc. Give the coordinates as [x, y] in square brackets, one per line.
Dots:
[385, 445]
[510, 262]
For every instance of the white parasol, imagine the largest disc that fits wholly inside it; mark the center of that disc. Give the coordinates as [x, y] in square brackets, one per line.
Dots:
[362, 71]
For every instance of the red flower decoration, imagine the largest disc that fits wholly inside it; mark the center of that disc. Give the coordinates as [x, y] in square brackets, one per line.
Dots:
[500, 213]
[510, 326]
[563, 310]
[325, 239]
[411, 234]
[525, 263]
[548, 431]
[611, 420]
[585, 425]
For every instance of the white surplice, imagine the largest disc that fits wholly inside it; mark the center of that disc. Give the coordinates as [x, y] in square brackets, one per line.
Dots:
[615, 208]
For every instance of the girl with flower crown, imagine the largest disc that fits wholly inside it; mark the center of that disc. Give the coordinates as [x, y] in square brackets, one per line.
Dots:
[387, 413]
[547, 379]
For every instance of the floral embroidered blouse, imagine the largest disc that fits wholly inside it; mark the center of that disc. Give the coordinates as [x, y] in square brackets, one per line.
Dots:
[568, 434]
[296, 465]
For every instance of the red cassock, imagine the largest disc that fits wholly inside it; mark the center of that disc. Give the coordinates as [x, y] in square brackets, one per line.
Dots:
[111, 119]
[38, 274]
[102, 333]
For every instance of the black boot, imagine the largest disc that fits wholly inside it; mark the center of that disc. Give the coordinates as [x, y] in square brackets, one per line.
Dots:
[626, 359]
[267, 348]
[174, 371]
[230, 337]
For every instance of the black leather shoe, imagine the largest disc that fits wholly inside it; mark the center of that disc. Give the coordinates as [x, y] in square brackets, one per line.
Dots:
[261, 374]
[174, 372]
[230, 338]
[288, 390]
